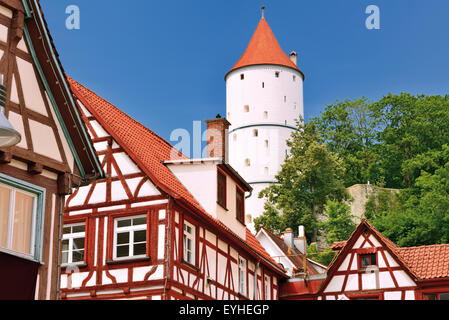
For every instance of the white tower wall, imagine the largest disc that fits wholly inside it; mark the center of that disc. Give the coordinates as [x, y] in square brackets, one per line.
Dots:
[262, 107]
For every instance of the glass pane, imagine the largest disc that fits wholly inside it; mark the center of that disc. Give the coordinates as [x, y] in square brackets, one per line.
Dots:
[77, 229]
[140, 236]
[444, 296]
[78, 243]
[123, 238]
[122, 251]
[65, 257]
[65, 245]
[23, 221]
[139, 221]
[67, 230]
[124, 223]
[5, 195]
[78, 256]
[140, 249]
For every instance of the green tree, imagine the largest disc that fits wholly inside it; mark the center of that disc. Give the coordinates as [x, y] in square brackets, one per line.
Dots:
[310, 176]
[340, 222]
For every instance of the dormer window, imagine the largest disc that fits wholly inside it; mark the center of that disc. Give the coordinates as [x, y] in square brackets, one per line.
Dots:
[221, 189]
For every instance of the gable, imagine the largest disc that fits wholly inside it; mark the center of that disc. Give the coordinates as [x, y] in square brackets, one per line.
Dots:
[125, 181]
[347, 275]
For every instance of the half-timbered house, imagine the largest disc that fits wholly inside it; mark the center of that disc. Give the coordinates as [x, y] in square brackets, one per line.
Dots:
[53, 153]
[371, 267]
[160, 225]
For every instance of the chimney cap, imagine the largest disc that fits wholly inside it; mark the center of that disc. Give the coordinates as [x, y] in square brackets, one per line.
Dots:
[289, 230]
[293, 53]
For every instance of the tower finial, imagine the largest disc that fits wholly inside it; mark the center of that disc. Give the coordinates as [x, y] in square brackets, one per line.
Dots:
[263, 12]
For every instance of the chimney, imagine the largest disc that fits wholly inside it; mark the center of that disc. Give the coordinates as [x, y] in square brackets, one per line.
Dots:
[294, 57]
[217, 138]
[300, 241]
[288, 237]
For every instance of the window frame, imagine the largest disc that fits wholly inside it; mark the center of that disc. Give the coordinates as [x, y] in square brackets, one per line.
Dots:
[190, 236]
[38, 214]
[70, 238]
[239, 192]
[267, 287]
[371, 255]
[131, 243]
[243, 269]
[223, 185]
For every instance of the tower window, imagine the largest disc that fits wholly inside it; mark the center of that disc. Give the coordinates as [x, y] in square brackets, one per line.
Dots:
[285, 98]
[266, 144]
[294, 78]
[277, 73]
[263, 84]
[266, 171]
[246, 108]
[255, 133]
[235, 137]
[242, 77]
[265, 115]
[247, 162]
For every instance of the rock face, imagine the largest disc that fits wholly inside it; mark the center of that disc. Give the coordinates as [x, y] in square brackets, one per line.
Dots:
[360, 194]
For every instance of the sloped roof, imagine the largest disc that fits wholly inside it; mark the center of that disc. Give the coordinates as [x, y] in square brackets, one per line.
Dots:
[424, 262]
[427, 262]
[149, 151]
[264, 49]
[296, 256]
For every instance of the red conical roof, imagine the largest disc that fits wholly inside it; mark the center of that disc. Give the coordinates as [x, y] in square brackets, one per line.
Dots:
[264, 49]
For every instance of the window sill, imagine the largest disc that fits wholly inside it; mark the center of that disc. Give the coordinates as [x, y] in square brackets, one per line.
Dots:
[128, 260]
[188, 264]
[73, 265]
[224, 207]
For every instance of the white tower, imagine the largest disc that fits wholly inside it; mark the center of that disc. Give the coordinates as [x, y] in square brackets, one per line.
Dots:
[264, 97]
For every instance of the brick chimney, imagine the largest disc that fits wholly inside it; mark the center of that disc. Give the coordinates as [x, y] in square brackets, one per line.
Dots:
[217, 138]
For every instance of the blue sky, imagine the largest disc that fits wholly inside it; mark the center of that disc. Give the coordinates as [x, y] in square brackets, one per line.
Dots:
[163, 62]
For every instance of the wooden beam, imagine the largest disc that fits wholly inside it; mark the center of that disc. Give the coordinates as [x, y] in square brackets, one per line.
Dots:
[5, 157]
[35, 168]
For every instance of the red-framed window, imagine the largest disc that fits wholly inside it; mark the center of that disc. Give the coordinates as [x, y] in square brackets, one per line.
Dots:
[436, 296]
[367, 260]
[221, 189]
[240, 206]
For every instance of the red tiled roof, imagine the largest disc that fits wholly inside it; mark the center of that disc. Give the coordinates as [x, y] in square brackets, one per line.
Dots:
[264, 49]
[296, 257]
[427, 262]
[338, 245]
[149, 151]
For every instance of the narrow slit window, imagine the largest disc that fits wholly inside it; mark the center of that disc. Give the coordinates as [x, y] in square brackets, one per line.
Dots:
[246, 108]
[276, 74]
[255, 133]
[242, 77]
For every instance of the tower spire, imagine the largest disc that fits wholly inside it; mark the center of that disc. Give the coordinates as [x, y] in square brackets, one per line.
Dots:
[263, 12]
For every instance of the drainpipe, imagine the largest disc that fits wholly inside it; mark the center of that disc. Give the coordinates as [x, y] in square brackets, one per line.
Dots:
[58, 262]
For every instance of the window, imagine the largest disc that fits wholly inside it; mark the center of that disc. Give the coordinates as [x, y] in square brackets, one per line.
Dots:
[247, 162]
[246, 108]
[21, 212]
[240, 206]
[221, 189]
[276, 74]
[436, 296]
[73, 241]
[294, 78]
[242, 77]
[266, 144]
[189, 243]
[242, 276]
[266, 171]
[265, 115]
[367, 260]
[285, 99]
[267, 288]
[263, 84]
[255, 133]
[130, 237]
